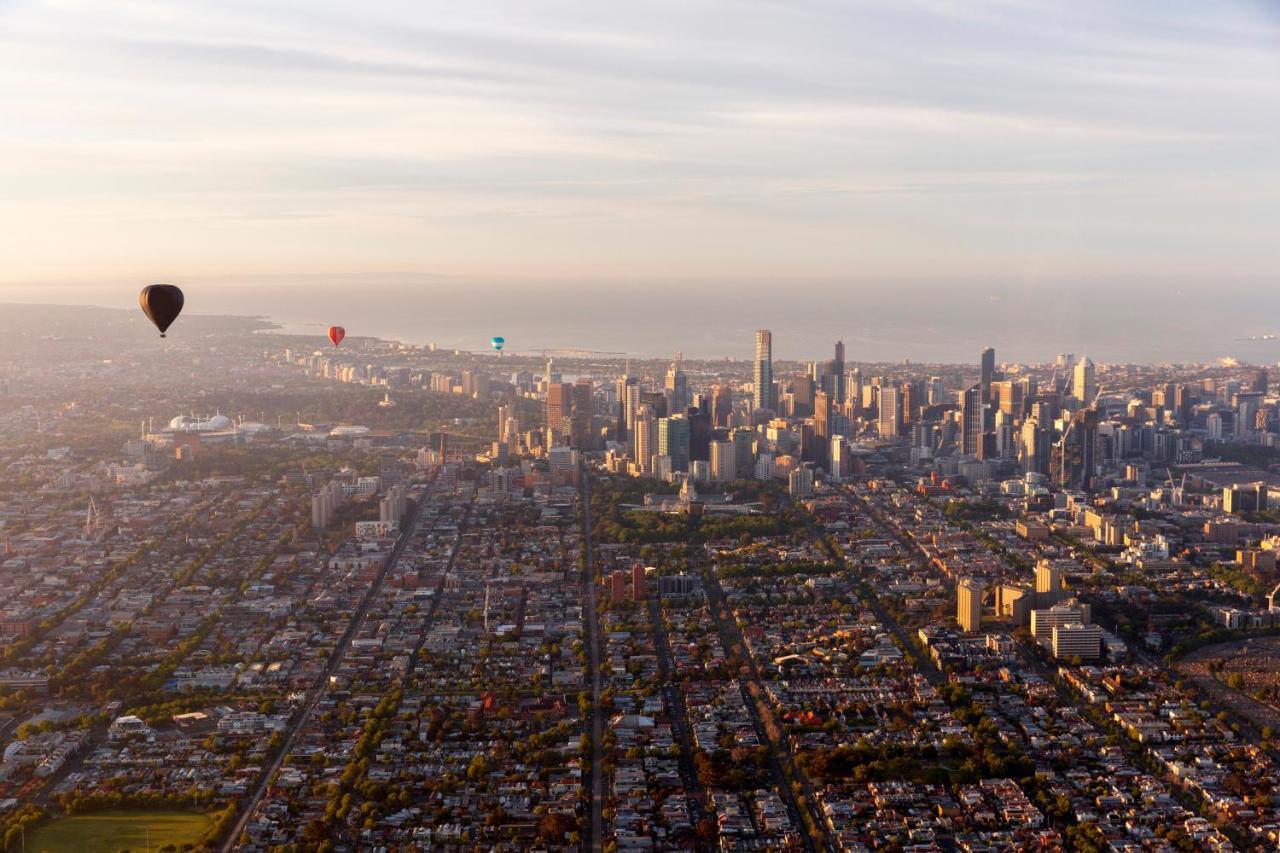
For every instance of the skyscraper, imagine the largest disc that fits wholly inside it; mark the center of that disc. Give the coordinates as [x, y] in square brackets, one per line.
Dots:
[889, 422]
[971, 421]
[937, 391]
[988, 372]
[629, 398]
[721, 406]
[1035, 449]
[559, 407]
[802, 392]
[744, 449]
[822, 414]
[677, 387]
[969, 594]
[673, 441]
[762, 372]
[831, 376]
[699, 435]
[724, 462]
[645, 439]
[1085, 386]
[580, 419]
[627, 402]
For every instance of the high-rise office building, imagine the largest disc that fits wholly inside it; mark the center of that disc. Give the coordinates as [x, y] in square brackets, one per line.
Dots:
[645, 439]
[699, 435]
[853, 390]
[830, 376]
[972, 421]
[1074, 453]
[505, 413]
[987, 373]
[724, 461]
[677, 387]
[838, 460]
[657, 403]
[822, 415]
[800, 482]
[802, 396]
[673, 441]
[762, 371]
[559, 407]
[936, 391]
[581, 420]
[1034, 449]
[628, 402]
[744, 446]
[1183, 400]
[1008, 396]
[1085, 386]
[1258, 383]
[721, 406]
[889, 420]
[969, 594]
[912, 402]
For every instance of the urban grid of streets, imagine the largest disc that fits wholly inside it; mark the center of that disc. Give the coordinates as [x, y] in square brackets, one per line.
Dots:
[330, 636]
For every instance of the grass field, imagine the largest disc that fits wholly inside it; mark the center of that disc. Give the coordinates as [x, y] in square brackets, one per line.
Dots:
[108, 832]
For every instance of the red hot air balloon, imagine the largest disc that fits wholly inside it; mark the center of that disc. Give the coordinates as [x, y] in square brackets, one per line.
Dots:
[162, 303]
[336, 334]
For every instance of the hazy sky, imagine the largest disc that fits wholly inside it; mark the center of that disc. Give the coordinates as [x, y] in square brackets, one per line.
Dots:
[697, 138]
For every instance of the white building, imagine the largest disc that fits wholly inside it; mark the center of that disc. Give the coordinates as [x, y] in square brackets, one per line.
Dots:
[1077, 640]
[1044, 620]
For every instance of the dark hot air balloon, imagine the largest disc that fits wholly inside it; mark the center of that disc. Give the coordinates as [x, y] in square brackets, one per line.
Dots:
[336, 334]
[162, 303]
[497, 342]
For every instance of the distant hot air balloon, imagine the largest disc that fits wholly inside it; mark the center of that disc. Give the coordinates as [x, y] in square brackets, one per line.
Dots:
[497, 342]
[162, 303]
[336, 334]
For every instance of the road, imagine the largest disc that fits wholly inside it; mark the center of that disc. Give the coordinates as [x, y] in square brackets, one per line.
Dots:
[763, 718]
[595, 840]
[1030, 658]
[428, 620]
[318, 689]
[679, 715]
[924, 664]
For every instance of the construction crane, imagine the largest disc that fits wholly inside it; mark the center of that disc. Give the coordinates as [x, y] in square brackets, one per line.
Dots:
[1176, 493]
[93, 519]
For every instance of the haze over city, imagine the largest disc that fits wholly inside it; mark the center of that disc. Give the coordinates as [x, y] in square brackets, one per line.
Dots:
[705, 426]
[825, 148]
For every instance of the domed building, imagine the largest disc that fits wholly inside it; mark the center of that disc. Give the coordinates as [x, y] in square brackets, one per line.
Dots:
[216, 428]
[217, 423]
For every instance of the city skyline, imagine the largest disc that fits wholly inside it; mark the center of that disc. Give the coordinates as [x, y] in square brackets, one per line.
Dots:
[263, 589]
[728, 425]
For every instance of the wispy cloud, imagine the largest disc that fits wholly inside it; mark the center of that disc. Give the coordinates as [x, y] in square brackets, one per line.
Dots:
[564, 137]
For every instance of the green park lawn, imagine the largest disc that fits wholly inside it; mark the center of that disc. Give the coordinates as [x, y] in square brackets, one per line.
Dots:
[108, 832]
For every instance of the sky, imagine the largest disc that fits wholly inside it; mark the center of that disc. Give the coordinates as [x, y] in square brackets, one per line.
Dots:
[578, 141]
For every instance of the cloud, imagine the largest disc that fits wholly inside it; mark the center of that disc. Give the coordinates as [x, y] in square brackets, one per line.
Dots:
[679, 135]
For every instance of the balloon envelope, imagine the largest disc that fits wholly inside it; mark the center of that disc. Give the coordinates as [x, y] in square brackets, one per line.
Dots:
[497, 343]
[336, 334]
[162, 303]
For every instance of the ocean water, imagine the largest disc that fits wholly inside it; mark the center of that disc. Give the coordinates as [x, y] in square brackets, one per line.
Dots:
[917, 321]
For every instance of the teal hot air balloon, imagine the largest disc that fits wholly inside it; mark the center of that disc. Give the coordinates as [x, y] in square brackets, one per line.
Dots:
[497, 342]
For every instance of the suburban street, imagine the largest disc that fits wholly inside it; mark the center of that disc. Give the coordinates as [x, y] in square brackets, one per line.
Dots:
[594, 840]
[317, 689]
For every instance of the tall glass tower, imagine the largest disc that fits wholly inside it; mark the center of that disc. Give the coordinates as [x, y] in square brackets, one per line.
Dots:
[762, 375]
